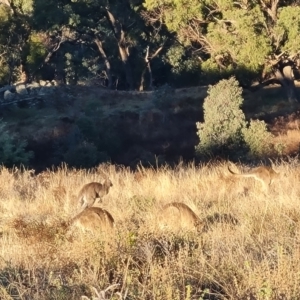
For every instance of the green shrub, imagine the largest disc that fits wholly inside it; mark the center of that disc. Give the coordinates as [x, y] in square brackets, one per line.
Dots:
[225, 127]
[223, 118]
[36, 51]
[257, 138]
[12, 150]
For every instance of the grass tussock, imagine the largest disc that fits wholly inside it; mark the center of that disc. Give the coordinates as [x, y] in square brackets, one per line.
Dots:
[249, 249]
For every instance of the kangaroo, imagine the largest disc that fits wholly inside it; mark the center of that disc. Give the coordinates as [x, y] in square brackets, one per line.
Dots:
[93, 219]
[178, 216]
[91, 191]
[264, 174]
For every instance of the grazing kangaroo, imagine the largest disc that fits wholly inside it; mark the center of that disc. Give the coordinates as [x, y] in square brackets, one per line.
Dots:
[264, 174]
[94, 220]
[91, 191]
[178, 216]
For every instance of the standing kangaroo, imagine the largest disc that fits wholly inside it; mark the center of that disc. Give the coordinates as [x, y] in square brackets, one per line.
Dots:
[264, 174]
[91, 191]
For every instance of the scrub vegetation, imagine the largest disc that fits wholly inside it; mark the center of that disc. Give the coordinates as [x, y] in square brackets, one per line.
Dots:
[258, 257]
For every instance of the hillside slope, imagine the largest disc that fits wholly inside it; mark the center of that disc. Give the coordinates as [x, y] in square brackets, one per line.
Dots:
[86, 125]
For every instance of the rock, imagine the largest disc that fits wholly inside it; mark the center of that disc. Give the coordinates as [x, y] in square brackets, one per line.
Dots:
[33, 87]
[43, 82]
[9, 96]
[21, 89]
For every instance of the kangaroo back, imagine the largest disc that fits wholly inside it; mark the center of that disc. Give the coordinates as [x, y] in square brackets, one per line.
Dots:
[94, 219]
[178, 216]
[263, 174]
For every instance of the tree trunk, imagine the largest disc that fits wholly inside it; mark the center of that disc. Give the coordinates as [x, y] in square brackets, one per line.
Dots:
[148, 67]
[119, 34]
[106, 61]
[287, 81]
[125, 60]
[141, 88]
[150, 76]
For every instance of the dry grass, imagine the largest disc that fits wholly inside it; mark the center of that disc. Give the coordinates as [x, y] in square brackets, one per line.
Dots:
[259, 258]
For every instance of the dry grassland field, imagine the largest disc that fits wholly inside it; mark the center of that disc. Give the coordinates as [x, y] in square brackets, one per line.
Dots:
[247, 248]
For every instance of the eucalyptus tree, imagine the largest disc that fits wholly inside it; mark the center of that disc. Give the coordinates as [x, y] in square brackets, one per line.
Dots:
[255, 40]
[112, 28]
[15, 26]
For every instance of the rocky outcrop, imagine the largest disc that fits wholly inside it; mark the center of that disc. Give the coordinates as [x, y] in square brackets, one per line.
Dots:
[31, 92]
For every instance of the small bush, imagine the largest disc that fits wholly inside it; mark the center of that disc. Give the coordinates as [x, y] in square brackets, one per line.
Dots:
[12, 150]
[225, 127]
[257, 138]
[223, 118]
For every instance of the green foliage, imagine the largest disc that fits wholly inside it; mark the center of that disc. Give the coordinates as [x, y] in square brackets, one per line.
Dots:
[225, 126]
[176, 14]
[245, 41]
[84, 20]
[177, 57]
[215, 37]
[223, 118]
[4, 14]
[12, 150]
[257, 138]
[24, 6]
[36, 50]
[174, 57]
[287, 29]
[11, 42]
[226, 36]
[185, 70]
[4, 73]
[15, 28]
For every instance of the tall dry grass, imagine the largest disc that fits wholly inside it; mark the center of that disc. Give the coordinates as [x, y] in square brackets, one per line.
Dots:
[259, 258]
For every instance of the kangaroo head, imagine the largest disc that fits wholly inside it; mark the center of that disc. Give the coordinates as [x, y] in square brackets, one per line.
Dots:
[108, 183]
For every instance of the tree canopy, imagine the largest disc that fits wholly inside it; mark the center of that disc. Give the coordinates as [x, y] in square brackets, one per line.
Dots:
[135, 44]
